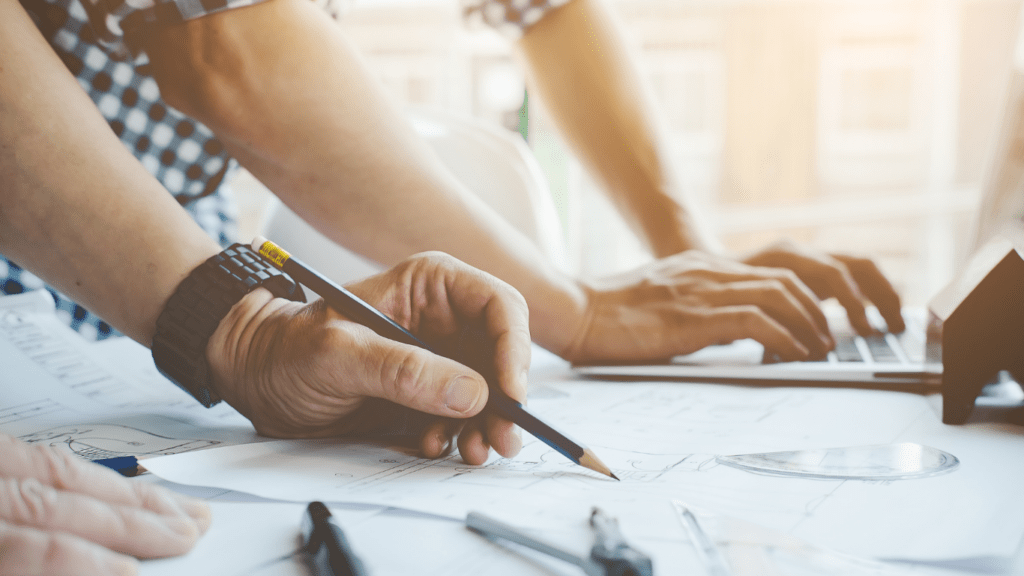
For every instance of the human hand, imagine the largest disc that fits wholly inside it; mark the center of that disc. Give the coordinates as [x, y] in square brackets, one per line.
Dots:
[685, 302]
[61, 516]
[849, 279]
[306, 371]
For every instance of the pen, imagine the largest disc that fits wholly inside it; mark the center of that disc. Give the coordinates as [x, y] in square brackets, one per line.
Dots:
[359, 311]
[610, 555]
[706, 549]
[125, 465]
[492, 528]
[326, 546]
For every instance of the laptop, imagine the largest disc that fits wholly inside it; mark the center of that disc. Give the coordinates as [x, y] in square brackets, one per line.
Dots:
[886, 361]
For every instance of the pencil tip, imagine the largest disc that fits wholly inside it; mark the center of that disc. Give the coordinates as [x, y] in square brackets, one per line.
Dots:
[589, 460]
[612, 474]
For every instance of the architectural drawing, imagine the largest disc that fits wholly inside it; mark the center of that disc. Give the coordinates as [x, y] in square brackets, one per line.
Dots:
[98, 441]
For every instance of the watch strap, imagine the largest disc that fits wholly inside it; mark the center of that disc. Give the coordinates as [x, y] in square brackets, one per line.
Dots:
[195, 310]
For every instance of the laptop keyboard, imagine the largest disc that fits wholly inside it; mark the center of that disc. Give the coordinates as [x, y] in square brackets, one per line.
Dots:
[904, 348]
[885, 348]
[878, 348]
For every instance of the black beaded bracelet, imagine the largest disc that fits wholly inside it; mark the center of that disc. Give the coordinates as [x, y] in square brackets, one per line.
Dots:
[196, 308]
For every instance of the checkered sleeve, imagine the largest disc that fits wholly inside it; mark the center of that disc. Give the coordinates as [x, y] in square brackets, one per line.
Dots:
[111, 18]
[510, 17]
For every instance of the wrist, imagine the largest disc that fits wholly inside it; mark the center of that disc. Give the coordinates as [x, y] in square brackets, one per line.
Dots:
[677, 231]
[557, 318]
[197, 308]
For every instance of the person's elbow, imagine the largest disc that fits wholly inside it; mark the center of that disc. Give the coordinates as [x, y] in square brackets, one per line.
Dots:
[208, 75]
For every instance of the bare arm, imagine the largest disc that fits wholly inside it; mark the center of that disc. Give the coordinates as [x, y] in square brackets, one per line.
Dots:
[71, 194]
[78, 210]
[287, 94]
[579, 65]
[282, 87]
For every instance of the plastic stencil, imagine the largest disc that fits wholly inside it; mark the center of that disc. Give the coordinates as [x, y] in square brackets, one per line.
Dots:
[883, 462]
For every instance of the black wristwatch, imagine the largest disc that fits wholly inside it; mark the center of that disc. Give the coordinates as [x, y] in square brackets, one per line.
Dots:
[196, 308]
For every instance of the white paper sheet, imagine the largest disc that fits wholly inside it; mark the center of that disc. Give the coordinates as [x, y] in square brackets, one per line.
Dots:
[96, 400]
[661, 438]
[259, 539]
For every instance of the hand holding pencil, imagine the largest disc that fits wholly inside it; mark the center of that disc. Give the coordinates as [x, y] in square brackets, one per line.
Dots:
[478, 346]
[309, 371]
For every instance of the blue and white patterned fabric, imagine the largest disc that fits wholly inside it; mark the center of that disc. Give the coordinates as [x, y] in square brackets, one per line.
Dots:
[181, 153]
[510, 17]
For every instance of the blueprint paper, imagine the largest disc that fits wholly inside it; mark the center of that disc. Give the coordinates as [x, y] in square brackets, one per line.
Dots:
[661, 439]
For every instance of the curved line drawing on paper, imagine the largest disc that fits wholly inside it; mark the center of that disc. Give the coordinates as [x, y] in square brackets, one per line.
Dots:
[97, 441]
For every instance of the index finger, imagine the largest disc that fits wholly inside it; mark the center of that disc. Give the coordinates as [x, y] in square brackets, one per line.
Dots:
[505, 342]
[877, 288]
[828, 276]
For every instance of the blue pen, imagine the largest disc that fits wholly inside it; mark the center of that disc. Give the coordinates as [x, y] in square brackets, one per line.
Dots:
[126, 465]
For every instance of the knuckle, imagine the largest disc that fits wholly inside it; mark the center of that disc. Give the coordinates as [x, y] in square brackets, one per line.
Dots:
[62, 470]
[515, 296]
[774, 288]
[403, 374]
[836, 274]
[750, 317]
[434, 258]
[152, 498]
[30, 502]
[693, 317]
[787, 276]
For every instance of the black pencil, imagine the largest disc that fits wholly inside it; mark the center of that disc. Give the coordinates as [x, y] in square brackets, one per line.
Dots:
[359, 311]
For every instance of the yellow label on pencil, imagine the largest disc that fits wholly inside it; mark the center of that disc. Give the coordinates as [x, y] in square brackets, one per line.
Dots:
[274, 253]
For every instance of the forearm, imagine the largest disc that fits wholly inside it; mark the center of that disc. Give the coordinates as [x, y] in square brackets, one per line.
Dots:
[75, 207]
[286, 93]
[580, 67]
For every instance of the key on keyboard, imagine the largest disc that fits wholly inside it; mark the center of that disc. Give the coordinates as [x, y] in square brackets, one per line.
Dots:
[846, 348]
[880, 350]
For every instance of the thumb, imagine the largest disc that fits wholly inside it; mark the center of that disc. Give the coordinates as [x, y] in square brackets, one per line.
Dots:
[422, 380]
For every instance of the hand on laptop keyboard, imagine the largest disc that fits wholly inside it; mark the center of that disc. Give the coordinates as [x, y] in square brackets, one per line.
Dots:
[881, 347]
[849, 279]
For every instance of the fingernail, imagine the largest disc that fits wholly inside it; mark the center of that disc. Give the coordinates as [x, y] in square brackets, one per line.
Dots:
[185, 527]
[802, 352]
[123, 565]
[462, 394]
[446, 445]
[517, 440]
[524, 380]
[199, 512]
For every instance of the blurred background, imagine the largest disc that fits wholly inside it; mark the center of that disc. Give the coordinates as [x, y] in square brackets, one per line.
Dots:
[850, 125]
